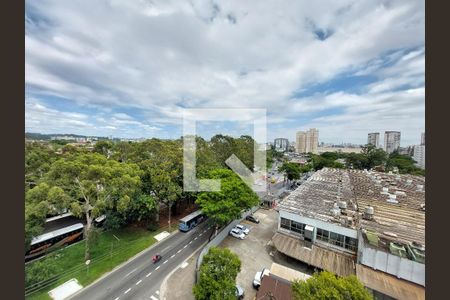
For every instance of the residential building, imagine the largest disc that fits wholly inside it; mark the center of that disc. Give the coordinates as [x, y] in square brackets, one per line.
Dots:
[307, 141]
[364, 223]
[422, 139]
[281, 144]
[419, 155]
[406, 150]
[391, 141]
[373, 139]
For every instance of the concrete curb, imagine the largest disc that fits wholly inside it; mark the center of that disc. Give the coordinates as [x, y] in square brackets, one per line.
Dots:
[163, 287]
[122, 264]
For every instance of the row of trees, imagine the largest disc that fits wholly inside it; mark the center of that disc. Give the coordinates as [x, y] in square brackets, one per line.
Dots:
[129, 182]
[370, 157]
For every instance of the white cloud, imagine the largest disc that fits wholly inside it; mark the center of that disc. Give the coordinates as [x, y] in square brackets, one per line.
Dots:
[156, 55]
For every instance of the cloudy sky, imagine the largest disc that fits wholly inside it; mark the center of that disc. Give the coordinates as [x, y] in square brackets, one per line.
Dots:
[129, 68]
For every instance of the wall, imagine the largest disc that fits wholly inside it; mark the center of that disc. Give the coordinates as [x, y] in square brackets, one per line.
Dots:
[392, 264]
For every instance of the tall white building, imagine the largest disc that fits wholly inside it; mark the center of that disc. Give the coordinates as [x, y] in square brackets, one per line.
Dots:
[391, 141]
[373, 139]
[307, 141]
[419, 155]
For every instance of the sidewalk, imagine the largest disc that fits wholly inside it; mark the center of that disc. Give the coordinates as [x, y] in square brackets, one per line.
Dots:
[179, 284]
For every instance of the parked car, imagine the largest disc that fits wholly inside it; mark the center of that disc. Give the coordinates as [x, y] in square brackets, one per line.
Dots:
[242, 228]
[258, 277]
[251, 218]
[237, 233]
[239, 292]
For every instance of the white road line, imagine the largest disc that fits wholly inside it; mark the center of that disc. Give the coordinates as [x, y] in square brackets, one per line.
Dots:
[184, 246]
[200, 234]
[172, 256]
[157, 267]
[178, 251]
[148, 274]
[165, 262]
[153, 297]
[190, 242]
[195, 238]
[138, 282]
[127, 290]
[130, 272]
[117, 298]
[157, 292]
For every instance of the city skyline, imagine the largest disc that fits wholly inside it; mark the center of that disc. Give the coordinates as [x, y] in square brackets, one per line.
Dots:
[319, 69]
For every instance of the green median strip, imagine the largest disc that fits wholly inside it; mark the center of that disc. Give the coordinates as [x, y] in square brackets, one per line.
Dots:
[60, 266]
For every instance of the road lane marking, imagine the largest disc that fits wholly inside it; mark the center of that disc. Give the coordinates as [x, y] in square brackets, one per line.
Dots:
[184, 246]
[157, 292]
[157, 267]
[153, 297]
[148, 274]
[130, 272]
[200, 234]
[178, 251]
[165, 261]
[127, 290]
[190, 242]
[195, 238]
[117, 298]
[138, 282]
[172, 256]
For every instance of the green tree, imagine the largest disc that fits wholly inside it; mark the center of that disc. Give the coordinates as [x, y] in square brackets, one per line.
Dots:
[218, 275]
[227, 204]
[325, 285]
[95, 184]
[103, 147]
[41, 201]
[291, 170]
[162, 175]
[38, 159]
[374, 156]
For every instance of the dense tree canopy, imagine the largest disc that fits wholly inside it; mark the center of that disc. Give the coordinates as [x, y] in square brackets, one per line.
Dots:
[291, 170]
[325, 285]
[228, 203]
[95, 184]
[218, 275]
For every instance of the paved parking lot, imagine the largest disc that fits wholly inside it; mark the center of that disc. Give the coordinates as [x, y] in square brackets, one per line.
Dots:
[257, 252]
[254, 251]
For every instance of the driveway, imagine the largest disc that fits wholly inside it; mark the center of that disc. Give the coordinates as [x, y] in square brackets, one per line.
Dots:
[254, 251]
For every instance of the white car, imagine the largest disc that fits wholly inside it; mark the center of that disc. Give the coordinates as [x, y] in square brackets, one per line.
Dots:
[258, 277]
[237, 233]
[242, 228]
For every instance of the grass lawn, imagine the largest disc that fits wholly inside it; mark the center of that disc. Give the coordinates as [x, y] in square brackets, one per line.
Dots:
[108, 252]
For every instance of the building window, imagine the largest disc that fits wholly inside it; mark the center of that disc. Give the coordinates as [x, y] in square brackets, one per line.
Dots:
[298, 227]
[292, 226]
[285, 223]
[322, 235]
[350, 243]
[337, 239]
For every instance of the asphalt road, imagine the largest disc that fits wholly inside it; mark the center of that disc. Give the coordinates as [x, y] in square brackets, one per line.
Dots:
[140, 278]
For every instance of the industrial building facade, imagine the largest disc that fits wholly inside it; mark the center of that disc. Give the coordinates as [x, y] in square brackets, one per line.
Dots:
[362, 223]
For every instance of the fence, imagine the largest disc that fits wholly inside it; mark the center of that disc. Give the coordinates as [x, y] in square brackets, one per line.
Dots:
[219, 238]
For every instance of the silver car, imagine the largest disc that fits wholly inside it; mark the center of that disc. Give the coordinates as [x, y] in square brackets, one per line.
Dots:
[242, 228]
[237, 233]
